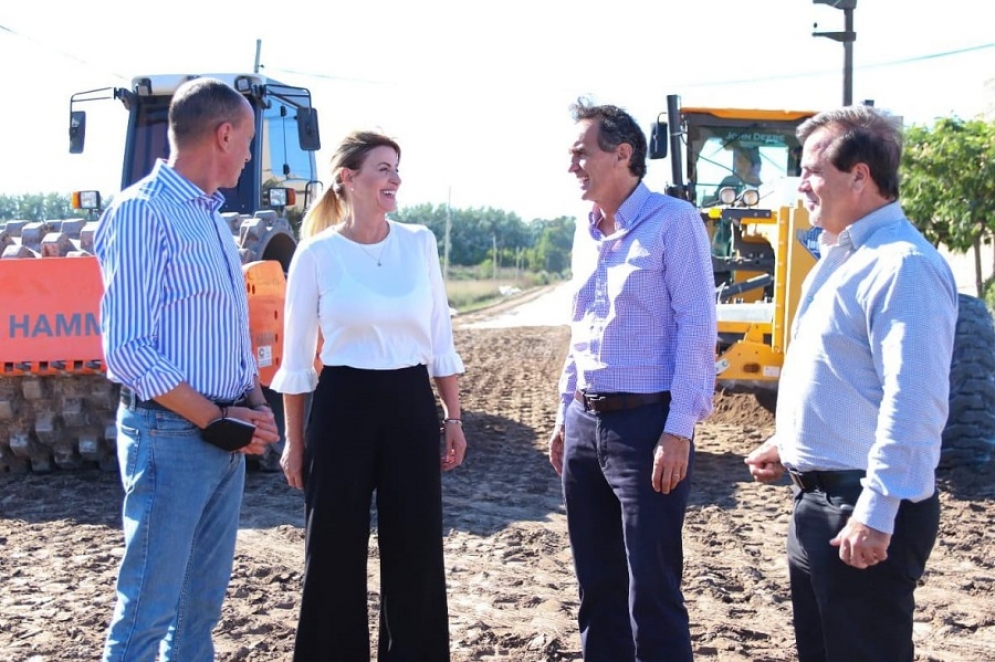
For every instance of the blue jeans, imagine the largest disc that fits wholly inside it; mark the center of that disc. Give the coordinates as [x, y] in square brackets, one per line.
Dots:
[625, 537]
[181, 505]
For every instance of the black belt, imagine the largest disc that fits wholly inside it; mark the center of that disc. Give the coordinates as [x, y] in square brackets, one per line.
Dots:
[131, 400]
[604, 402]
[825, 481]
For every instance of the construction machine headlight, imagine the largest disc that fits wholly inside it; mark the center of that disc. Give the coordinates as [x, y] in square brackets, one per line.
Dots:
[86, 200]
[750, 197]
[727, 195]
[279, 197]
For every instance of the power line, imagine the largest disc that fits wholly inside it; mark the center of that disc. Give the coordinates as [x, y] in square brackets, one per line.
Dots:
[833, 72]
[311, 74]
[63, 53]
[931, 56]
[739, 81]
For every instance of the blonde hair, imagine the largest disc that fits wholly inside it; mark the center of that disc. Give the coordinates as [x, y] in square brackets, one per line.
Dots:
[332, 206]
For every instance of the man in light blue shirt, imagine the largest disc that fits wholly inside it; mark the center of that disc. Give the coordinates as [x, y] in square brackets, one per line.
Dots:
[174, 318]
[639, 375]
[862, 400]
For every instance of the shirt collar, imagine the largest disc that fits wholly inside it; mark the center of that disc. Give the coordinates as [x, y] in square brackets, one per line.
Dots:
[858, 233]
[182, 189]
[627, 215]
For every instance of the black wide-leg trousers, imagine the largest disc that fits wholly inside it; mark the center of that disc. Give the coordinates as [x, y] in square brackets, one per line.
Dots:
[373, 431]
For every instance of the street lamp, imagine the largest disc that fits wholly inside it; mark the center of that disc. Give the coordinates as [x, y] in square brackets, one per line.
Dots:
[848, 36]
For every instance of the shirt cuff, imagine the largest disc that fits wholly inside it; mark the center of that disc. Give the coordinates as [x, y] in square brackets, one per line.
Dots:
[680, 424]
[876, 510]
[446, 365]
[561, 411]
[294, 381]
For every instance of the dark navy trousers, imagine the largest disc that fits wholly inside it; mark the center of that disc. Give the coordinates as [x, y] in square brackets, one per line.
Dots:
[625, 537]
[842, 614]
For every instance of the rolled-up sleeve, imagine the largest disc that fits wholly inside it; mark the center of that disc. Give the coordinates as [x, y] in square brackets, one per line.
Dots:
[300, 338]
[445, 360]
[130, 246]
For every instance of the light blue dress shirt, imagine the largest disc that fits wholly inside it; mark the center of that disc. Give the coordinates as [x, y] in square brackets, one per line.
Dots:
[866, 377]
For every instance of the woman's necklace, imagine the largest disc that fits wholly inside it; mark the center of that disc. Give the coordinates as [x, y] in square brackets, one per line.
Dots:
[376, 257]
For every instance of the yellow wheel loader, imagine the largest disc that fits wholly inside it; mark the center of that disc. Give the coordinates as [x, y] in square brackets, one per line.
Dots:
[743, 168]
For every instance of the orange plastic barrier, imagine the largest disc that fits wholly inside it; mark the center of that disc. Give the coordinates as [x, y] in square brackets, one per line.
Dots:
[50, 315]
[266, 286]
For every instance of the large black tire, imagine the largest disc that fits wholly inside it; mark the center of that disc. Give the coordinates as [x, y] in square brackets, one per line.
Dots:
[969, 436]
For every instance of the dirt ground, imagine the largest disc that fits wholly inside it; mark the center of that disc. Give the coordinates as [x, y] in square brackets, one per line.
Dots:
[511, 587]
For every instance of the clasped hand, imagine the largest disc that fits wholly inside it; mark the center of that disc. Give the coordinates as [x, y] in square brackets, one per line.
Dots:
[266, 431]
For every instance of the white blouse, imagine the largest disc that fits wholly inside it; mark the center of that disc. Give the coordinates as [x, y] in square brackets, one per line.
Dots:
[378, 306]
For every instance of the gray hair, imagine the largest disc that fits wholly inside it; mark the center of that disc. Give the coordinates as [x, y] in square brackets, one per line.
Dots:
[199, 106]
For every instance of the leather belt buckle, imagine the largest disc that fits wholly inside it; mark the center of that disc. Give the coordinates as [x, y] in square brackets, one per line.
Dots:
[585, 400]
[803, 482]
[608, 402]
[593, 402]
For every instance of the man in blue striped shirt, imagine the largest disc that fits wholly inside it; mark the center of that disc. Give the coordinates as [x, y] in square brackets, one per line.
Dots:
[639, 375]
[174, 318]
[862, 400]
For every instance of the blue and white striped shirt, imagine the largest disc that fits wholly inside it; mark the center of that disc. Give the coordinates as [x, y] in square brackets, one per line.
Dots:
[866, 377]
[174, 307]
[644, 312]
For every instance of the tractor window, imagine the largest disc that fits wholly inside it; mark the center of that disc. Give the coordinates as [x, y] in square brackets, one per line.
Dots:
[150, 141]
[284, 163]
[740, 157]
[149, 124]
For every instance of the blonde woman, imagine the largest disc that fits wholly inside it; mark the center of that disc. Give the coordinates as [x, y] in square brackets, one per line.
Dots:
[373, 288]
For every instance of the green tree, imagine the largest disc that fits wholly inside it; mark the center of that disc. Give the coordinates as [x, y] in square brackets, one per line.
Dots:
[948, 184]
[553, 244]
[474, 233]
[37, 207]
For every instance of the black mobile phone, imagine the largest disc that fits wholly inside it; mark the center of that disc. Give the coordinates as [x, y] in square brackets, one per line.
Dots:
[229, 434]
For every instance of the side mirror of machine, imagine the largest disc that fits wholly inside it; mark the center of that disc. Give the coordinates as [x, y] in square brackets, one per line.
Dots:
[77, 131]
[307, 129]
[312, 192]
[659, 138]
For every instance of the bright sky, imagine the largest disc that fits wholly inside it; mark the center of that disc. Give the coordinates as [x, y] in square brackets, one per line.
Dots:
[477, 93]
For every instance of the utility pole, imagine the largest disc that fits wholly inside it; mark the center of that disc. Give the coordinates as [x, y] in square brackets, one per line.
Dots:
[259, 49]
[847, 37]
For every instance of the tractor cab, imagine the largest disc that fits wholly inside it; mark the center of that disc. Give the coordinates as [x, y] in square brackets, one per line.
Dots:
[282, 174]
[742, 169]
